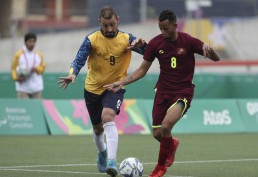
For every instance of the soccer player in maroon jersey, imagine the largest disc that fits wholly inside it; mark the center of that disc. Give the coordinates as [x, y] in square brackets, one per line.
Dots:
[174, 89]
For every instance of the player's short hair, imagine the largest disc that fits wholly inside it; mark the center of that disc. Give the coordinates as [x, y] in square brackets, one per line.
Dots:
[167, 15]
[107, 12]
[30, 36]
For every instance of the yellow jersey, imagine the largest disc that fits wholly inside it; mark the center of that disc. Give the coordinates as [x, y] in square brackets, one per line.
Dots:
[108, 59]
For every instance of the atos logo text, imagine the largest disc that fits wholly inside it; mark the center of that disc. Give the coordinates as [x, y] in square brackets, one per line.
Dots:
[211, 117]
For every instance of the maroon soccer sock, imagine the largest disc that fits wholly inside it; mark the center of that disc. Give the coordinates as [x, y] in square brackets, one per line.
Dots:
[173, 146]
[164, 149]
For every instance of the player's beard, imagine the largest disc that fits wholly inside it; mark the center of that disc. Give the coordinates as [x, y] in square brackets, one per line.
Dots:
[110, 34]
[170, 36]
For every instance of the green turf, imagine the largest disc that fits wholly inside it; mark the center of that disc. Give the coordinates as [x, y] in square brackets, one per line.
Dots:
[199, 155]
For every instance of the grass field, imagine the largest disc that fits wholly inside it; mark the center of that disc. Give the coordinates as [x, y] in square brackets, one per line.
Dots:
[199, 155]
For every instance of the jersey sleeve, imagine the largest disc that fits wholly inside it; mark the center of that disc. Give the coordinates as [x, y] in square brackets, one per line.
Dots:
[196, 45]
[140, 50]
[41, 68]
[15, 63]
[81, 57]
[149, 54]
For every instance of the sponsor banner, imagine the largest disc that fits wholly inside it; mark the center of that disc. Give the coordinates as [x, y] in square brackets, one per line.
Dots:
[131, 118]
[204, 116]
[67, 117]
[22, 117]
[146, 106]
[249, 112]
[71, 117]
[211, 116]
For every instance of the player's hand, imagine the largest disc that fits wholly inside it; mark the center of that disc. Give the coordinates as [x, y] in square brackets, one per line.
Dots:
[137, 43]
[206, 50]
[65, 81]
[113, 87]
[33, 70]
[21, 79]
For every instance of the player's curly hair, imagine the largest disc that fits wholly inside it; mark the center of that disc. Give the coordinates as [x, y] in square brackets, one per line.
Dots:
[107, 12]
[168, 15]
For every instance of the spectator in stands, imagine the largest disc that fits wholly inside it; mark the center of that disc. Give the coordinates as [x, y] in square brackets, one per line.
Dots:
[174, 89]
[27, 68]
[108, 51]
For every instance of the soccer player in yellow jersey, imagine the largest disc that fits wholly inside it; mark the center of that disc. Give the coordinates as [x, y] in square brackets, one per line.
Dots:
[108, 52]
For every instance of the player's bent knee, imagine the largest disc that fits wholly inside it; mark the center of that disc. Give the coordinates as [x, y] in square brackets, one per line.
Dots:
[108, 116]
[107, 119]
[157, 137]
[156, 134]
[166, 129]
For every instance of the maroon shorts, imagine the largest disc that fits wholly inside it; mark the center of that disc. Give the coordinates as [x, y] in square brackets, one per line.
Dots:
[163, 102]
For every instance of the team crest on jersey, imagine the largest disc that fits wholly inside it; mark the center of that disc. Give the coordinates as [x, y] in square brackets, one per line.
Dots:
[181, 51]
[161, 51]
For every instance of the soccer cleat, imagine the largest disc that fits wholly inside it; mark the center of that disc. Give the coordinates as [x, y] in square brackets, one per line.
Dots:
[158, 171]
[111, 168]
[102, 161]
[171, 157]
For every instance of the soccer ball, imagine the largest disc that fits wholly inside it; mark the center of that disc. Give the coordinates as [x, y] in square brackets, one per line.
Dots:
[22, 70]
[131, 167]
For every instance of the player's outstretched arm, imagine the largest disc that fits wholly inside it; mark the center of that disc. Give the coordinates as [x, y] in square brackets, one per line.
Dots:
[136, 75]
[209, 52]
[65, 81]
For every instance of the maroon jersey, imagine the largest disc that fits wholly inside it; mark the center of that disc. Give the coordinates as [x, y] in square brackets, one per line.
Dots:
[176, 59]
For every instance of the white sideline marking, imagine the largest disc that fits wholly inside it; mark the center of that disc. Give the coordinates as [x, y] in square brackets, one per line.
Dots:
[70, 172]
[35, 166]
[19, 168]
[179, 162]
[217, 161]
[210, 161]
